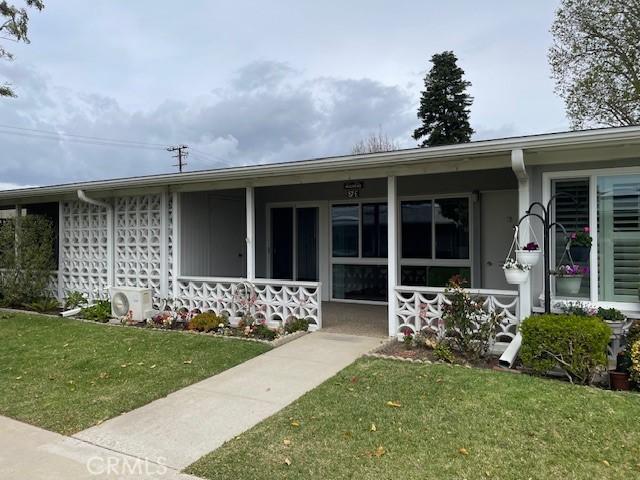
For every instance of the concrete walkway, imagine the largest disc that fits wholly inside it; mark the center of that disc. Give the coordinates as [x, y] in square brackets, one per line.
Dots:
[28, 452]
[180, 428]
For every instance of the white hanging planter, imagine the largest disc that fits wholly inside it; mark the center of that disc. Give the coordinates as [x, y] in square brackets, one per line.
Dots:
[568, 286]
[515, 276]
[529, 257]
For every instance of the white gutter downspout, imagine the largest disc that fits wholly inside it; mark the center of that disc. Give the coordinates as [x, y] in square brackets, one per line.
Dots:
[524, 301]
[110, 235]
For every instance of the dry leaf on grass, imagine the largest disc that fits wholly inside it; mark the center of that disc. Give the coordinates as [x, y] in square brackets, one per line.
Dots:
[295, 423]
[463, 451]
[187, 362]
[373, 427]
[153, 366]
[378, 452]
[287, 461]
[607, 464]
[286, 442]
[393, 404]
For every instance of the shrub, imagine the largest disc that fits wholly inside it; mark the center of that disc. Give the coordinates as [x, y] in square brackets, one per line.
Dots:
[426, 339]
[296, 325]
[260, 330]
[206, 322]
[443, 352]
[26, 266]
[75, 299]
[44, 305]
[469, 328]
[611, 314]
[635, 363]
[98, 312]
[577, 344]
[633, 335]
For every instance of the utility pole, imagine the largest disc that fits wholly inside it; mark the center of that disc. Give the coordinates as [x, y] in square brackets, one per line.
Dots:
[182, 153]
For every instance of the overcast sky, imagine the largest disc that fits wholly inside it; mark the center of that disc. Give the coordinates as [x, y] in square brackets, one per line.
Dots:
[247, 82]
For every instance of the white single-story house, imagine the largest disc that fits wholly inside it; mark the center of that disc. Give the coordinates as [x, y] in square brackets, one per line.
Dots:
[386, 229]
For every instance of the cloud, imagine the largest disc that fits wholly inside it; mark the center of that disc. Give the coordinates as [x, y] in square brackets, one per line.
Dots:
[268, 112]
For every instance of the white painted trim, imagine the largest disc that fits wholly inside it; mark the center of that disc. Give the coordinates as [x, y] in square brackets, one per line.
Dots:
[401, 158]
[392, 252]
[251, 233]
[524, 201]
[592, 176]
[164, 245]
[470, 291]
[175, 233]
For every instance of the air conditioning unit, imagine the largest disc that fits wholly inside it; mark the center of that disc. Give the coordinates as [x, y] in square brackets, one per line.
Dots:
[134, 299]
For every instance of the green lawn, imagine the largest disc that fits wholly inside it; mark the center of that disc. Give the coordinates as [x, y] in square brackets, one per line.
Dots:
[452, 423]
[66, 375]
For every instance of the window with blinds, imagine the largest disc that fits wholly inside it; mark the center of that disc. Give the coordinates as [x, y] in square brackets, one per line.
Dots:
[619, 237]
[572, 212]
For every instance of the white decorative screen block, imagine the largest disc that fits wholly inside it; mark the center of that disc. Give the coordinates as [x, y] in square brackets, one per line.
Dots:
[137, 242]
[420, 309]
[84, 248]
[270, 300]
[170, 244]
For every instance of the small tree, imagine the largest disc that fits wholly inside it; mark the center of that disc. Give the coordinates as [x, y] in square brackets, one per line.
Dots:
[444, 105]
[468, 327]
[375, 142]
[595, 61]
[13, 27]
[26, 259]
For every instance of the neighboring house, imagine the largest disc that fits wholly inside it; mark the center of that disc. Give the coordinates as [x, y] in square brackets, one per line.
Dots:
[372, 228]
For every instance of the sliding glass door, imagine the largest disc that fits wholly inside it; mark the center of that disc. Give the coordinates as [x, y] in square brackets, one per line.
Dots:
[294, 243]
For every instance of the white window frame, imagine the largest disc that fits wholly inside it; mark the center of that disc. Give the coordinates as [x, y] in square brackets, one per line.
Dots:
[359, 260]
[268, 246]
[433, 261]
[592, 176]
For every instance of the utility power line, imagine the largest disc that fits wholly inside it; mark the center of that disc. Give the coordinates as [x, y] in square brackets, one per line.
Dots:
[182, 153]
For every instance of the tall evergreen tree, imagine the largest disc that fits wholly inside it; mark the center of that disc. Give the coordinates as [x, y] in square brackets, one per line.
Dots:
[444, 105]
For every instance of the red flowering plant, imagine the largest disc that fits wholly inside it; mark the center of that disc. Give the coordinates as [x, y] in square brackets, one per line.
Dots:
[531, 247]
[581, 238]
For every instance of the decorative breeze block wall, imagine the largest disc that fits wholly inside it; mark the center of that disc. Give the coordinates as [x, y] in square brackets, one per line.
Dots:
[84, 248]
[137, 243]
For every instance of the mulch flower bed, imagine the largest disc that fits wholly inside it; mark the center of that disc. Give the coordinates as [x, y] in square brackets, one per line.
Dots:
[397, 349]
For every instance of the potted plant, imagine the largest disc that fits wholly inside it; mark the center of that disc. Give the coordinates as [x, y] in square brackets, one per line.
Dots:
[569, 279]
[515, 272]
[529, 254]
[580, 245]
[619, 378]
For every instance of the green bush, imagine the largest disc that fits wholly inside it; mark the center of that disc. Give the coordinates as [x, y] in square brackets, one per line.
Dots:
[264, 332]
[27, 265]
[207, 322]
[296, 325]
[575, 343]
[44, 305]
[98, 312]
[611, 314]
[75, 299]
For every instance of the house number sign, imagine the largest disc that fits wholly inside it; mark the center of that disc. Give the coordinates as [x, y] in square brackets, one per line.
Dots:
[352, 189]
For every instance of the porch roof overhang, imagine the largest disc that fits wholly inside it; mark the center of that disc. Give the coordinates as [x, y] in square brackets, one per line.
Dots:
[543, 149]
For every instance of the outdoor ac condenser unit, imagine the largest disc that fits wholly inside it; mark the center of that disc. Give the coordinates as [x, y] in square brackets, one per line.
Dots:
[136, 299]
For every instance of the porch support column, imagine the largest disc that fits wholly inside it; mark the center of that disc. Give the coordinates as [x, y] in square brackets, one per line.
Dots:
[251, 234]
[524, 200]
[392, 252]
[164, 244]
[175, 247]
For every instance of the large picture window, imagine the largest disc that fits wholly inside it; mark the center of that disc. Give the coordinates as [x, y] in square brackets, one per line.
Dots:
[609, 204]
[435, 241]
[359, 251]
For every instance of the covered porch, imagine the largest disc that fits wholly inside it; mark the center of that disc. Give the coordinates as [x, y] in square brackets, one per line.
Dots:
[370, 255]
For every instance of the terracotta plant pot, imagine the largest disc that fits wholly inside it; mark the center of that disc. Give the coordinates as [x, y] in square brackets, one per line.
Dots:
[619, 380]
[569, 285]
[579, 253]
[529, 257]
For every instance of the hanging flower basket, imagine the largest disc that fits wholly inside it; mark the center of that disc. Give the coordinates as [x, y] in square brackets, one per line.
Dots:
[515, 272]
[580, 245]
[579, 253]
[569, 279]
[529, 254]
